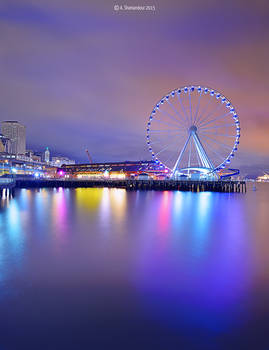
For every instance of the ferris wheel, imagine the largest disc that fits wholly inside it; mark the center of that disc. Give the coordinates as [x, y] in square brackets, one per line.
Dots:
[193, 129]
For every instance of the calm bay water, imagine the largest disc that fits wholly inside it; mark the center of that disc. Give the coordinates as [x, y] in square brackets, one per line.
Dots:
[110, 269]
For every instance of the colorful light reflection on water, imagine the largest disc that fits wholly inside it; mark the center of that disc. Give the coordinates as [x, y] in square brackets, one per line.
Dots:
[140, 269]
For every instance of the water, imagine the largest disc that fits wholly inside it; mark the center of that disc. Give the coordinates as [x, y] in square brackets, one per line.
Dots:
[110, 269]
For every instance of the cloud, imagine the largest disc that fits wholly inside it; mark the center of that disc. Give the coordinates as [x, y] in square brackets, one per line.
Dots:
[77, 73]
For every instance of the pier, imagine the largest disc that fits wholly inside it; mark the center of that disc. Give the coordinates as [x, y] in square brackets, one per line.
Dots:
[7, 187]
[133, 185]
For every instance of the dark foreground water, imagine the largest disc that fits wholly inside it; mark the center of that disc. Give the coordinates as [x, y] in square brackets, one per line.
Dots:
[107, 269]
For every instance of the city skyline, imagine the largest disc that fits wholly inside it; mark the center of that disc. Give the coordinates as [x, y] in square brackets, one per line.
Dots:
[85, 76]
[13, 141]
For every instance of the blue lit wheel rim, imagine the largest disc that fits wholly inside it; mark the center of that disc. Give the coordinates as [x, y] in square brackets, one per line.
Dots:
[198, 108]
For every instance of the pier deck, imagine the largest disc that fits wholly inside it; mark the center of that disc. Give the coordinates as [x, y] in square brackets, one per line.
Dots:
[7, 186]
[161, 185]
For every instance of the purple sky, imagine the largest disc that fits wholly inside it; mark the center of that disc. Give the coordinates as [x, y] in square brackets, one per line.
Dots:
[82, 75]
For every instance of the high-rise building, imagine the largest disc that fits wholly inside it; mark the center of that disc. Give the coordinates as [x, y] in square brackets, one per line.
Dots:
[47, 155]
[15, 132]
[4, 144]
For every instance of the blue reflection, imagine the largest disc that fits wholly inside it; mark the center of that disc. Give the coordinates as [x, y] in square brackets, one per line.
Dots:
[201, 221]
[192, 273]
[14, 226]
[178, 207]
[176, 261]
[11, 237]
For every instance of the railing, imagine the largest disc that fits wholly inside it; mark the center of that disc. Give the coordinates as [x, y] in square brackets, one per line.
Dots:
[6, 181]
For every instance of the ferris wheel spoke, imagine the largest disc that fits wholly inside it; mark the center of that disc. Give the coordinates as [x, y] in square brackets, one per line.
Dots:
[165, 147]
[182, 119]
[169, 158]
[218, 118]
[162, 139]
[219, 142]
[212, 150]
[190, 105]
[169, 115]
[168, 131]
[204, 109]
[154, 142]
[162, 146]
[211, 133]
[167, 138]
[183, 109]
[197, 108]
[216, 127]
[203, 120]
[167, 123]
[173, 154]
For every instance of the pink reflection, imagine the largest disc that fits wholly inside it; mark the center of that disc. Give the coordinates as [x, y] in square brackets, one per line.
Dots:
[59, 212]
[164, 217]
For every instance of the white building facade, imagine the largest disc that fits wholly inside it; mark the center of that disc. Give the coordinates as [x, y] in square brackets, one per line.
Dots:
[15, 132]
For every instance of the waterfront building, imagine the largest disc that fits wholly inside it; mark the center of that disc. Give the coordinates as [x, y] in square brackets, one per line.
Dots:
[47, 155]
[32, 156]
[59, 161]
[263, 178]
[115, 170]
[29, 154]
[23, 167]
[36, 158]
[15, 132]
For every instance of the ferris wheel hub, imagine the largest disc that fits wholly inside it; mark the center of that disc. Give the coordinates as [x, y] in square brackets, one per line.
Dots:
[193, 129]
